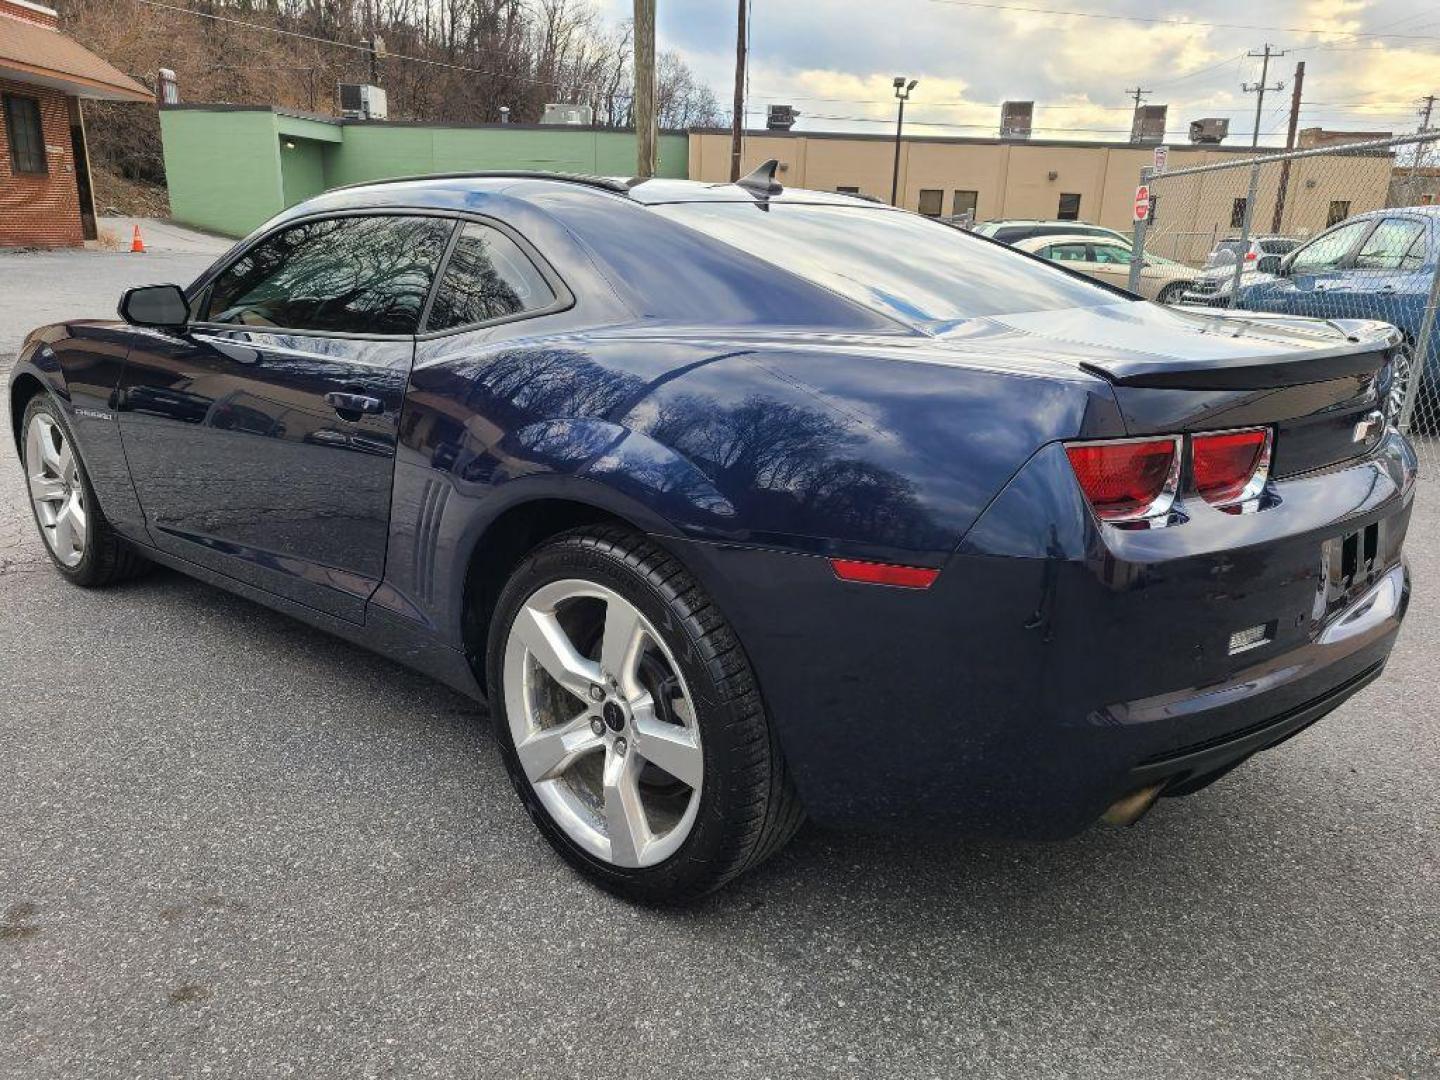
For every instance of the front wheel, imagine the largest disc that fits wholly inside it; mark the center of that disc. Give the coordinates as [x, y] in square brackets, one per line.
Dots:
[630, 722]
[78, 539]
[1173, 293]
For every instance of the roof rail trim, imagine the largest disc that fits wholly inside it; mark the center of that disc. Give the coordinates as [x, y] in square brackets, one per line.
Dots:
[604, 183]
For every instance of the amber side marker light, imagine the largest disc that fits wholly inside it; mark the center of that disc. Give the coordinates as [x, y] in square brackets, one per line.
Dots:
[874, 573]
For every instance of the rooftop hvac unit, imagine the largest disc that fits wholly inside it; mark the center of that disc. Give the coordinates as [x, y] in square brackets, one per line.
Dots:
[578, 115]
[360, 101]
[781, 117]
[1016, 119]
[1149, 124]
[1212, 129]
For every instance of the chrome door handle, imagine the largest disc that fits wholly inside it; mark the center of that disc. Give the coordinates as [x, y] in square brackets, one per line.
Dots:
[350, 405]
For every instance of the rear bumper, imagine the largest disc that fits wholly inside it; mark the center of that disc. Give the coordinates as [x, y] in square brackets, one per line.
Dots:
[1052, 670]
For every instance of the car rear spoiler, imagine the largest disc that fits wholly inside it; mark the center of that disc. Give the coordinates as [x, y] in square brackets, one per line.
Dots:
[1252, 373]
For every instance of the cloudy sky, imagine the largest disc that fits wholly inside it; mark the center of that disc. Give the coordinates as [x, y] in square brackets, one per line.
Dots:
[1367, 61]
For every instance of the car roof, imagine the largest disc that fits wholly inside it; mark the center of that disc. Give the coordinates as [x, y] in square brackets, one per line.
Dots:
[1011, 222]
[517, 183]
[1058, 238]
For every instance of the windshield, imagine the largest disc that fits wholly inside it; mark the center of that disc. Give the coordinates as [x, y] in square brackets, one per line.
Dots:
[903, 265]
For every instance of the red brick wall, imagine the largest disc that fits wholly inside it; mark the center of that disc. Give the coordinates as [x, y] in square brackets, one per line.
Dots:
[29, 14]
[36, 210]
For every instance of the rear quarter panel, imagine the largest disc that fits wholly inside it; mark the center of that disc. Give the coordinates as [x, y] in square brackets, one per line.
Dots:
[868, 449]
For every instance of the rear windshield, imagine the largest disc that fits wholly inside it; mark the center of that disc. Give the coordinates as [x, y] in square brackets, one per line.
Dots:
[907, 267]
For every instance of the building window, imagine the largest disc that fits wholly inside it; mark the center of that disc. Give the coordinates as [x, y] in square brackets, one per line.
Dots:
[1069, 207]
[932, 201]
[965, 203]
[847, 190]
[1237, 214]
[27, 140]
[1339, 211]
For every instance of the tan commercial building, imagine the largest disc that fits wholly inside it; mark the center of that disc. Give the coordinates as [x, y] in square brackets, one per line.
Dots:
[1043, 178]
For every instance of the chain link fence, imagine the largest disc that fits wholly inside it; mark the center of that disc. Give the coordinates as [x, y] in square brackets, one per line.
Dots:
[1334, 232]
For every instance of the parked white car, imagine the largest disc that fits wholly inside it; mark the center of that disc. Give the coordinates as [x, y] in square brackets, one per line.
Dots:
[1161, 279]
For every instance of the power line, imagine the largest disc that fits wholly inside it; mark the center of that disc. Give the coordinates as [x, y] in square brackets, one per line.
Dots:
[1183, 23]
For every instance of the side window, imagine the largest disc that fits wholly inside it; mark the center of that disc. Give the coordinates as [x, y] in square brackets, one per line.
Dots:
[1066, 253]
[487, 277]
[358, 275]
[1111, 253]
[1327, 250]
[1387, 246]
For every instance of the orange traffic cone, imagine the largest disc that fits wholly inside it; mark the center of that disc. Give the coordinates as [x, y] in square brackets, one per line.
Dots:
[136, 244]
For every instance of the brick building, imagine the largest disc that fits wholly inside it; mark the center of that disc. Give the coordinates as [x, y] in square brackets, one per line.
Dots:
[45, 198]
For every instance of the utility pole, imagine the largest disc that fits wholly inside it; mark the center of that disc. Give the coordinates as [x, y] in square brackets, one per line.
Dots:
[375, 47]
[737, 118]
[1260, 87]
[1139, 94]
[1427, 107]
[1275, 222]
[645, 125]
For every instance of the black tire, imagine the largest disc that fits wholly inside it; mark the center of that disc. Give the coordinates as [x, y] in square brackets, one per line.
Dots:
[748, 807]
[1171, 293]
[108, 558]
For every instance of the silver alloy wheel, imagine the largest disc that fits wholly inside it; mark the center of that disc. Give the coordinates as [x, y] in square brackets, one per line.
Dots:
[609, 744]
[55, 489]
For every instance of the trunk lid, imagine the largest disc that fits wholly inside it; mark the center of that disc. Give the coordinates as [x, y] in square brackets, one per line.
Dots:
[1322, 384]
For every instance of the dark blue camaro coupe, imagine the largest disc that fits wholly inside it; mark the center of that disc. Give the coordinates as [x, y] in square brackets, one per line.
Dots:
[740, 504]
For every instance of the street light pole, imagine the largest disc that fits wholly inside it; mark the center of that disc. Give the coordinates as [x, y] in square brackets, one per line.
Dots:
[902, 95]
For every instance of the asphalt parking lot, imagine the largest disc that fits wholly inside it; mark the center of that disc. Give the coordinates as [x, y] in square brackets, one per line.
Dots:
[231, 846]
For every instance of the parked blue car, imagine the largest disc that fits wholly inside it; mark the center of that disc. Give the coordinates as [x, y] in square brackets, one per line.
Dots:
[1376, 265]
[739, 504]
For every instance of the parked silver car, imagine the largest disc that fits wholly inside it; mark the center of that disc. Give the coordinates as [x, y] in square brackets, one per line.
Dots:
[1261, 256]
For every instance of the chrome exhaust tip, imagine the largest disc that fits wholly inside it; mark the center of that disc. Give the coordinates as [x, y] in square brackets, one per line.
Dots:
[1131, 808]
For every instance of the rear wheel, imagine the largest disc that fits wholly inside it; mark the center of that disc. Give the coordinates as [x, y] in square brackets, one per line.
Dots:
[78, 539]
[630, 721]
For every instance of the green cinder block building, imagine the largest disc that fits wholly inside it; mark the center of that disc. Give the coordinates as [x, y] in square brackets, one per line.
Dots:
[231, 167]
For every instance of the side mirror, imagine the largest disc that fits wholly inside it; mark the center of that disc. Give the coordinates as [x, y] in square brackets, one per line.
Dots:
[155, 305]
[1286, 266]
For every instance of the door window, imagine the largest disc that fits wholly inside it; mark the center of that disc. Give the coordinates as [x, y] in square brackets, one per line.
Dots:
[1066, 253]
[1328, 250]
[487, 277]
[1389, 246]
[356, 275]
[1111, 253]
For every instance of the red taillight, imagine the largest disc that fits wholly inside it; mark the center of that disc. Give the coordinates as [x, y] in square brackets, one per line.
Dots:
[1230, 466]
[1128, 479]
[1251, 256]
[874, 573]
